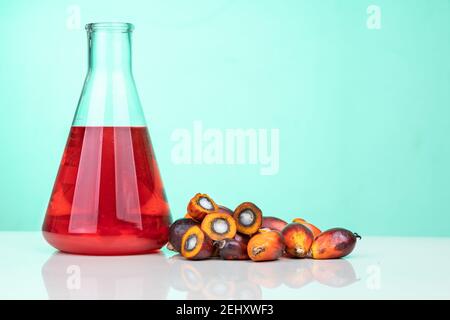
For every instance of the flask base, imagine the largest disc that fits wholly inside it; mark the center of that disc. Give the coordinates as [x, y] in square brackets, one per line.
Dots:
[91, 244]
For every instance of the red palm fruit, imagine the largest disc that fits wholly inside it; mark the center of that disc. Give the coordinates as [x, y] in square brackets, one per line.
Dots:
[176, 231]
[242, 238]
[298, 240]
[334, 243]
[232, 249]
[273, 223]
[223, 209]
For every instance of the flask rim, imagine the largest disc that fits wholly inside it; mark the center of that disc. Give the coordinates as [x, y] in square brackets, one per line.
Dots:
[110, 27]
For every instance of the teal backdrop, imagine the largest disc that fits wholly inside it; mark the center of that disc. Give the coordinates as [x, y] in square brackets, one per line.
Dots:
[362, 105]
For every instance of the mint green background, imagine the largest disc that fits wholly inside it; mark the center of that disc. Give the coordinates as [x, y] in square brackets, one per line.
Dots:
[364, 115]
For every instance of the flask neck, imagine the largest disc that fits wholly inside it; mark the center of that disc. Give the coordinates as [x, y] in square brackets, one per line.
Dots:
[109, 51]
[109, 96]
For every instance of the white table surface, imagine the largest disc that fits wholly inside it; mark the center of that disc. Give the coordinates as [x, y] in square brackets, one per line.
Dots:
[379, 268]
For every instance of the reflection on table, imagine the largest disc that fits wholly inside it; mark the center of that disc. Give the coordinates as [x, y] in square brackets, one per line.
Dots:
[69, 276]
[217, 279]
[151, 276]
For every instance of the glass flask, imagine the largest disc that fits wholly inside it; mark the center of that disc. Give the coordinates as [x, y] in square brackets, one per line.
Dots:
[108, 197]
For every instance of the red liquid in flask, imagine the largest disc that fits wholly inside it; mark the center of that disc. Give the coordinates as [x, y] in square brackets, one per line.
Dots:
[108, 197]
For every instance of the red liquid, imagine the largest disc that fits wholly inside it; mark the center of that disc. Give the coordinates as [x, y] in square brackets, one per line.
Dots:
[108, 197]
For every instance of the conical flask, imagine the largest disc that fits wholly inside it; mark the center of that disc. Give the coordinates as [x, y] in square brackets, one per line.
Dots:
[108, 197]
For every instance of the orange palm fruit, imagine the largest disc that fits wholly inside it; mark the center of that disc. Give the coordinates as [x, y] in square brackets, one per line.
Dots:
[316, 231]
[201, 205]
[248, 218]
[219, 226]
[196, 245]
[188, 216]
[266, 246]
[298, 240]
